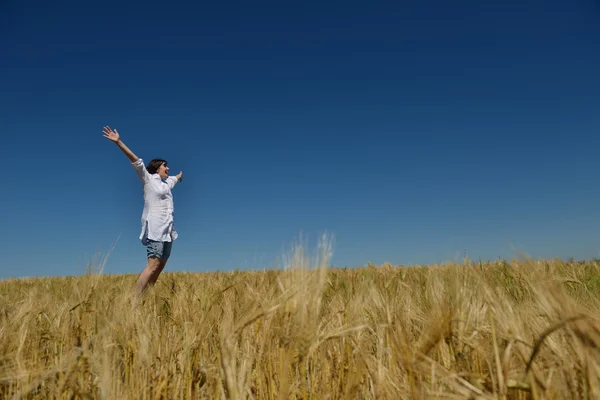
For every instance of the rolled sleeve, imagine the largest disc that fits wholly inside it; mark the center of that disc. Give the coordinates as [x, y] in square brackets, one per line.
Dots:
[140, 169]
[172, 181]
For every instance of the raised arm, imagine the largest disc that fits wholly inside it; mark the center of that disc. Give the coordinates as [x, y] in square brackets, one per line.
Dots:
[113, 136]
[172, 180]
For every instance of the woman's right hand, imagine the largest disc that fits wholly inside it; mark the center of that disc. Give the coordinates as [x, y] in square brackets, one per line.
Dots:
[111, 135]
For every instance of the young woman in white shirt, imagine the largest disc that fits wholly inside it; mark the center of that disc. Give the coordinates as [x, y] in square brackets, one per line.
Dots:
[158, 231]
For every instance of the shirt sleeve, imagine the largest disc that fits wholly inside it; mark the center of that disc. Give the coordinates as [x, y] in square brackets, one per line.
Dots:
[141, 171]
[172, 181]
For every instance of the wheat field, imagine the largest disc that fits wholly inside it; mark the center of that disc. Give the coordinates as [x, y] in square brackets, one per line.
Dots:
[526, 329]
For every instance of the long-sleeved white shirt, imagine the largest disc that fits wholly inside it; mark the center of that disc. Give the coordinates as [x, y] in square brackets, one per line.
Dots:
[157, 217]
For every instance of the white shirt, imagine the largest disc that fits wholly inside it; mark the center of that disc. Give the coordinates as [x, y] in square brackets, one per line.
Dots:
[157, 217]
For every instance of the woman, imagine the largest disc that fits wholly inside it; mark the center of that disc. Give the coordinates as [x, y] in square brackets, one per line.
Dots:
[158, 232]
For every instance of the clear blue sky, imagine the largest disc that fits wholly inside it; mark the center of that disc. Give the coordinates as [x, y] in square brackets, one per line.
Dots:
[413, 130]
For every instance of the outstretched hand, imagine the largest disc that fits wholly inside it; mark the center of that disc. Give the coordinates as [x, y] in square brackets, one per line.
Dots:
[111, 135]
[179, 176]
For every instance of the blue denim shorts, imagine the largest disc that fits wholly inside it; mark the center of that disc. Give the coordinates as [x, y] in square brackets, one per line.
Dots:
[161, 250]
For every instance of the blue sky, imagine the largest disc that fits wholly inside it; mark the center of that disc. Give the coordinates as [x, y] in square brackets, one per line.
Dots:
[413, 131]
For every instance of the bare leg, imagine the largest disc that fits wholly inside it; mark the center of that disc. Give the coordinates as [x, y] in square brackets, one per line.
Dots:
[161, 265]
[149, 275]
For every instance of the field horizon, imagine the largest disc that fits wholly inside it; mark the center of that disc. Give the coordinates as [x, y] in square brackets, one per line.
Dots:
[519, 329]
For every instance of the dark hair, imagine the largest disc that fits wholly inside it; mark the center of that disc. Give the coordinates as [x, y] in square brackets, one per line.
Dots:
[154, 165]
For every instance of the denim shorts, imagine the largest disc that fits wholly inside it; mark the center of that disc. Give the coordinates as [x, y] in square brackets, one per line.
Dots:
[161, 250]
